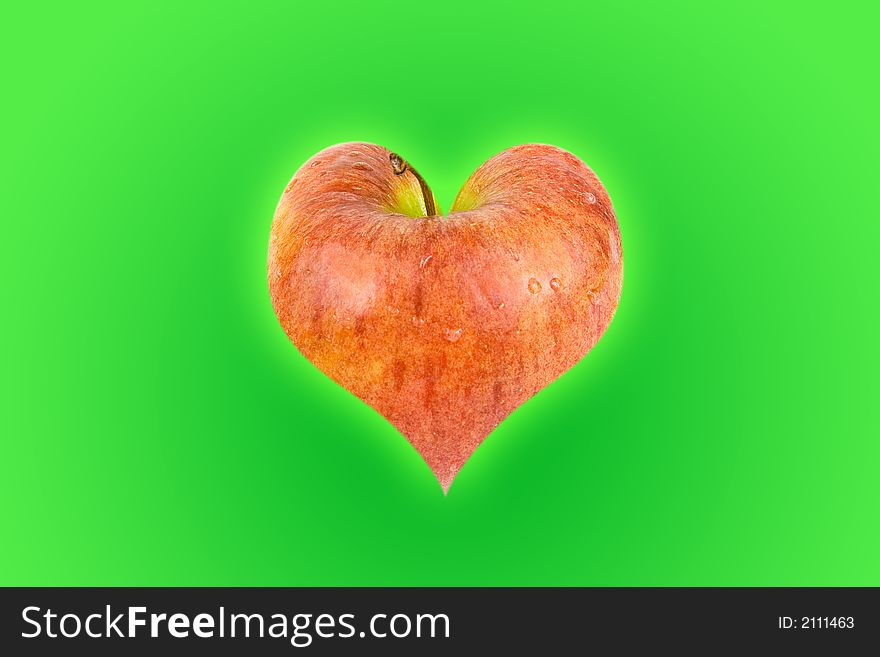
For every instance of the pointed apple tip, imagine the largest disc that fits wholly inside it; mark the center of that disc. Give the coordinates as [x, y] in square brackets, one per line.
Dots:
[443, 463]
[445, 478]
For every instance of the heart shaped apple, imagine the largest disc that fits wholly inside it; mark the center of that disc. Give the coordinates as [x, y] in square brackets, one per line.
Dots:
[444, 324]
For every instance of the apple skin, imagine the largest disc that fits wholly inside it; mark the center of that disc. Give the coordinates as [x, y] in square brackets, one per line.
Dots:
[445, 324]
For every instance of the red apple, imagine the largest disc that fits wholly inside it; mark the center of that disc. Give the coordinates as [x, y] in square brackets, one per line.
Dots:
[444, 324]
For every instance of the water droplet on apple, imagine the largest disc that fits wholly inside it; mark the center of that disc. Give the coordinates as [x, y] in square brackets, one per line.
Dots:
[500, 305]
[361, 166]
[424, 261]
[534, 286]
[393, 310]
[590, 197]
[452, 335]
[418, 322]
[555, 284]
[315, 163]
[277, 273]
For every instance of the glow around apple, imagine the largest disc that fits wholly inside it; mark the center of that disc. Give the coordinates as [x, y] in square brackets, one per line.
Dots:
[444, 323]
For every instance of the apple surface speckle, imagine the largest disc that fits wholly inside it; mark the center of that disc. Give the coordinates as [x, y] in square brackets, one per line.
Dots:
[452, 335]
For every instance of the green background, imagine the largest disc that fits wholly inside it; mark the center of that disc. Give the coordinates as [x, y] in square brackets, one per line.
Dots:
[159, 429]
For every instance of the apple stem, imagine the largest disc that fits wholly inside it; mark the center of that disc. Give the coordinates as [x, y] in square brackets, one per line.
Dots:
[400, 167]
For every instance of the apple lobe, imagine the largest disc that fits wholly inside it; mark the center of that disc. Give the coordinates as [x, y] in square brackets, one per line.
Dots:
[444, 325]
